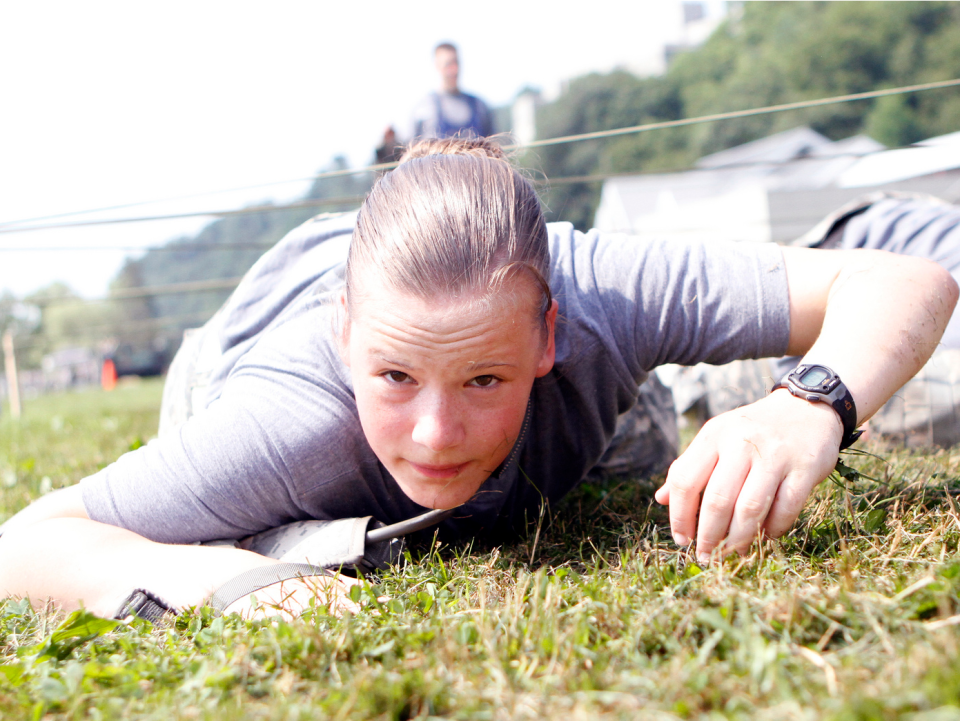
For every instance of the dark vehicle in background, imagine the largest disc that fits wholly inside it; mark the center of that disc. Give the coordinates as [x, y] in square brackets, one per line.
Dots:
[129, 359]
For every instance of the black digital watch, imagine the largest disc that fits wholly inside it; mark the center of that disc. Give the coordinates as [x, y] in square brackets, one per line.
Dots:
[819, 384]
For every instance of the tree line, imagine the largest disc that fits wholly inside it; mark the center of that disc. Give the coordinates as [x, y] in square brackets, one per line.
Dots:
[767, 53]
[772, 53]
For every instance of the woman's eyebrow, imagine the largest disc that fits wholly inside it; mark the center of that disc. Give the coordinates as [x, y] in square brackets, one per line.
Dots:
[390, 361]
[483, 365]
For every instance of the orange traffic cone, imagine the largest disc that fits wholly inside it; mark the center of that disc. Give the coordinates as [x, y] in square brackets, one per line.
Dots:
[108, 375]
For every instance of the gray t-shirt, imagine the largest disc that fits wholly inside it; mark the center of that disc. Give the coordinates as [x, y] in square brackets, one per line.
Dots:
[280, 439]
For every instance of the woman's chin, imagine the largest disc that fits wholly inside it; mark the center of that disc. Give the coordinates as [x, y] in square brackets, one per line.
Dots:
[439, 495]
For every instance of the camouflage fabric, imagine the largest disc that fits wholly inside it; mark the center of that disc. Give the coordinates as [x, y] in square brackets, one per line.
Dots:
[711, 390]
[646, 440]
[924, 413]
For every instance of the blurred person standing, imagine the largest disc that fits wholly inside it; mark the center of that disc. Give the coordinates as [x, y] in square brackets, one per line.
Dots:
[390, 148]
[443, 113]
[449, 111]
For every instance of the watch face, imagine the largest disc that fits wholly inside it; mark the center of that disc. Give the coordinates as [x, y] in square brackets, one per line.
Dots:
[814, 377]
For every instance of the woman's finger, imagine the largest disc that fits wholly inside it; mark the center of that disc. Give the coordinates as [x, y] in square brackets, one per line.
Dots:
[720, 497]
[686, 479]
[662, 495]
[753, 506]
[789, 501]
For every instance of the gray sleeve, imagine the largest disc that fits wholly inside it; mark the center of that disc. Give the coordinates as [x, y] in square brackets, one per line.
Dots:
[281, 428]
[654, 301]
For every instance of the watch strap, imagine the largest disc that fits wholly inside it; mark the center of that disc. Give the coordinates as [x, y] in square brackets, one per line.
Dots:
[143, 604]
[845, 406]
[847, 410]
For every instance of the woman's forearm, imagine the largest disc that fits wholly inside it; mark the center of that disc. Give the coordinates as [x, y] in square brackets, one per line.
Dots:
[873, 318]
[880, 319]
[78, 562]
[63, 503]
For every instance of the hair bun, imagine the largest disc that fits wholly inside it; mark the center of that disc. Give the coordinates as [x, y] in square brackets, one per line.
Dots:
[457, 145]
[455, 219]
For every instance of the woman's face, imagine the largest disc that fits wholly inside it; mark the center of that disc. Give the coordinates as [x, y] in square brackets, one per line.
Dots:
[442, 386]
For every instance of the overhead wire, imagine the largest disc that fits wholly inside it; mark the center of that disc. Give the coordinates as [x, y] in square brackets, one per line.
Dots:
[177, 246]
[228, 284]
[129, 329]
[204, 194]
[169, 248]
[196, 286]
[596, 135]
[266, 208]
[783, 107]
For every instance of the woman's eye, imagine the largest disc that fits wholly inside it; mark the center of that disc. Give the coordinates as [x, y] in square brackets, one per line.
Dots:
[396, 376]
[484, 381]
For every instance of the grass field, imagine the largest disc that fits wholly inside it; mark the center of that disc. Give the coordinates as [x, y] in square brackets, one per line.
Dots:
[853, 615]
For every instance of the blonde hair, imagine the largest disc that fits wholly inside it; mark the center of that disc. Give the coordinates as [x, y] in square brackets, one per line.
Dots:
[454, 219]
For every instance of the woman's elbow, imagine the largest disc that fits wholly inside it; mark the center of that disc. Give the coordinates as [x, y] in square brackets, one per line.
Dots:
[942, 292]
[64, 503]
[951, 288]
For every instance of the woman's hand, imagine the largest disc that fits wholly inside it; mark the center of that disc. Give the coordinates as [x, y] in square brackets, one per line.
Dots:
[751, 470]
[754, 468]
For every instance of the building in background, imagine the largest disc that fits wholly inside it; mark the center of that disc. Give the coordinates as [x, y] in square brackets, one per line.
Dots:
[680, 25]
[689, 24]
[776, 188]
[523, 115]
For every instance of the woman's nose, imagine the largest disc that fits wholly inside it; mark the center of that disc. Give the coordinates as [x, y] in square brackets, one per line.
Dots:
[438, 426]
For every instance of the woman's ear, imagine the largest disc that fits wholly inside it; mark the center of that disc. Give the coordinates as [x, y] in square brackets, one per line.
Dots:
[550, 347]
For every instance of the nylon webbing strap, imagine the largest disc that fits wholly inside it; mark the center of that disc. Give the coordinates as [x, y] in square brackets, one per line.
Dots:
[256, 578]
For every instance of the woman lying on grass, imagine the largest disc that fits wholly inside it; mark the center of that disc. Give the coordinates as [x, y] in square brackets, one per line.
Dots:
[447, 349]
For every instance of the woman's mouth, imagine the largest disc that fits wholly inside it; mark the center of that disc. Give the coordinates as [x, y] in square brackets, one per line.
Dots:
[436, 471]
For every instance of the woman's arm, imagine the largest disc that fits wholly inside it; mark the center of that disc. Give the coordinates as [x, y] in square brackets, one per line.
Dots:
[64, 503]
[52, 551]
[874, 318]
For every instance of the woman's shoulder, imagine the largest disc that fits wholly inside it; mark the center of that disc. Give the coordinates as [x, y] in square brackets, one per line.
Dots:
[306, 263]
[308, 251]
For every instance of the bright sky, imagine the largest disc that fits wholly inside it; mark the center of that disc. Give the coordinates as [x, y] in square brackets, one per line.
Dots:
[110, 103]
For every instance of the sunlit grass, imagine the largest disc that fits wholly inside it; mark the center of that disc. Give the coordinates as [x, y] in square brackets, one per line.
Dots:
[64, 437]
[850, 616]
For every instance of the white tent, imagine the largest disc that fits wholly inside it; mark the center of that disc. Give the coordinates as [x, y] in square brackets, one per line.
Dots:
[775, 188]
